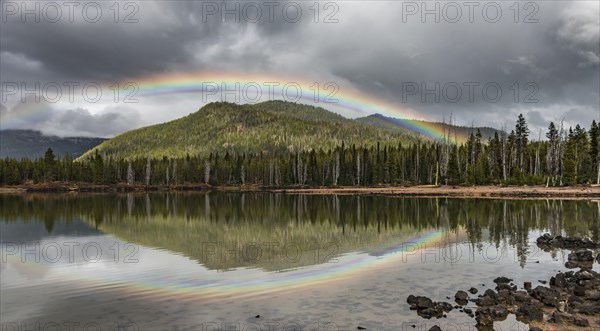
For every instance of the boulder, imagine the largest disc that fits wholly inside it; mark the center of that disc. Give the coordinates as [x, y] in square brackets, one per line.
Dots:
[530, 312]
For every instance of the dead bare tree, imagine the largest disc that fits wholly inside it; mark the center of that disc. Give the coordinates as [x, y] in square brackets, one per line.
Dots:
[336, 169]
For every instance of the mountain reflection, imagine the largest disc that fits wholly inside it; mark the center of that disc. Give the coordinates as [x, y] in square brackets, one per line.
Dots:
[230, 230]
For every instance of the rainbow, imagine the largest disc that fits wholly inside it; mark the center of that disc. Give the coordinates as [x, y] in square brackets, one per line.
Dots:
[329, 95]
[349, 102]
[251, 282]
[25, 114]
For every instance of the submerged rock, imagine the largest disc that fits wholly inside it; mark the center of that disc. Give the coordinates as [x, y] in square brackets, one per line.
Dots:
[582, 255]
[570, 298]
[426, 308]
[485, 316]
[548, 241]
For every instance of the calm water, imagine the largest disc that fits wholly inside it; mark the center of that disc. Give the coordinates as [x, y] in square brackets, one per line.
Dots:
[215, 261]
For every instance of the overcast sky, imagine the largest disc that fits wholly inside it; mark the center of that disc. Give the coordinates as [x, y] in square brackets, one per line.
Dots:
[380, 48]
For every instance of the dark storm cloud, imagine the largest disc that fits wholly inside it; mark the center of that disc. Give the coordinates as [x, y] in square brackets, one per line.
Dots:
[552, 54]
[104, 50]
[164, 35]
[70, 122]
[370, 47]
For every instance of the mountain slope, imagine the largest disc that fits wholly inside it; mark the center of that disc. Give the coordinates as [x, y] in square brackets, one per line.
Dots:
[401, 125]
[33, 144]
[270, 126]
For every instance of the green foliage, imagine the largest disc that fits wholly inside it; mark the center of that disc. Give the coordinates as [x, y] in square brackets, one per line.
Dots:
[280, 144]
[49, 166]
[268, 127]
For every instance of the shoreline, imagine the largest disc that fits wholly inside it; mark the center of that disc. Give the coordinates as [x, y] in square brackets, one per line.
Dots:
[570, 301]
[524, 192]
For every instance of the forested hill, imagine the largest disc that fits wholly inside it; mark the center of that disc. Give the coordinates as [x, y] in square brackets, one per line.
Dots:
[272, 126]
[461, 133]
[31, 144]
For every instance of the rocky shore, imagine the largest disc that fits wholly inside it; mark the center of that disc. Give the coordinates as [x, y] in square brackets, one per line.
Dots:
[487, 192]
[571, 301]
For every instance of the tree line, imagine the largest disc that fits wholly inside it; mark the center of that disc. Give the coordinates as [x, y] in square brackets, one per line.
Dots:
[567, 157]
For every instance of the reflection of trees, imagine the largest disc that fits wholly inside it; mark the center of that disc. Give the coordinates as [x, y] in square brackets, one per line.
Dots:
[177, 221]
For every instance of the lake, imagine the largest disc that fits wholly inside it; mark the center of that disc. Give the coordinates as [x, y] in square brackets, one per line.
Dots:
[261, 261]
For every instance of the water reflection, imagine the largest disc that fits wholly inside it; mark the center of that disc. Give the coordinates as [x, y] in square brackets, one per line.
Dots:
[346, 260]
[231, 230]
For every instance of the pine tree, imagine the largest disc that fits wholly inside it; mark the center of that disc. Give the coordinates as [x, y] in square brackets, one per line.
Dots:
[594, 134]
[521, 135]
[570, 161]
[553, 154]
[49, 165]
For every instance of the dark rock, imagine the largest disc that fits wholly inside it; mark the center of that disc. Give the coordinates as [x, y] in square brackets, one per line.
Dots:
[502, 280]
[494, 311]
[461, 298]
[491, 293]
[558, 317]
[580, 256]
[461, 295]
[593, 295]
[546, 295]
[505, 287]
[585, 275]
[430, 312]
[590, 309]
[571, 293]
[361, 328]
[486, 301]
[435, 328]
[547, 242]
[571, 265]
[559, 280]
[444, 306]
[530, 312]
[546, 238]
[424, 302]
[522, 296]
[486, 316]
[426, 308]
[582, 322]
[579, 291]
[575, 302]
[534, 328]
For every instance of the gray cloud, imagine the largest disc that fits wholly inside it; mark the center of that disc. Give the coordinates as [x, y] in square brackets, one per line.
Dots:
[370, 49]
[83, 123]
[70, 122]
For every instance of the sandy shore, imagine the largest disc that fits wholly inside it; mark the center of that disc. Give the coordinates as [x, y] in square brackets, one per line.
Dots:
[459, 191]
[523, 192]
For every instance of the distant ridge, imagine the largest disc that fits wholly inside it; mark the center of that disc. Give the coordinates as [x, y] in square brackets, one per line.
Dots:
[460, 133]
[33, 144]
